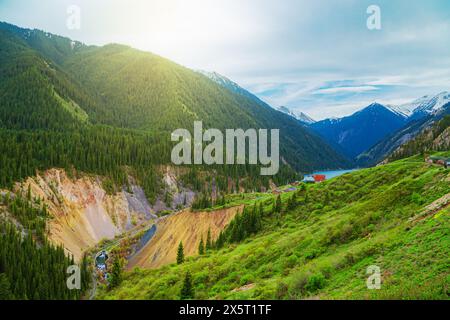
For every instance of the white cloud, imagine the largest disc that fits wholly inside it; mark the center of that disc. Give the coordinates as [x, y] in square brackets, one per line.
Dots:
[337, 90]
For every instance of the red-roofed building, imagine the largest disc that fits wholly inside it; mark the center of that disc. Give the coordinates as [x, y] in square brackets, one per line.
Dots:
[319, 177]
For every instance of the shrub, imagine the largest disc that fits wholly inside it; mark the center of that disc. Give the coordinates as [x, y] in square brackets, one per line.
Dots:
[417, 198]
[246, 279]
[315, 282]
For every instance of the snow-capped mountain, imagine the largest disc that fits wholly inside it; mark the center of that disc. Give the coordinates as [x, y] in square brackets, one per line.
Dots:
[358, 132]
[377, 126]
[399, 110]
[302, 117]
[227, 83]
[412, 129]
[233, 86]
[287, 111]
[425, 105]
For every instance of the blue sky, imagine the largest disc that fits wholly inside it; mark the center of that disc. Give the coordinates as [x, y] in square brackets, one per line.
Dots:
[318, 57]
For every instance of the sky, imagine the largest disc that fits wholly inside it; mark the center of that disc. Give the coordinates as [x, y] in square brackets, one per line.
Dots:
[317, 57]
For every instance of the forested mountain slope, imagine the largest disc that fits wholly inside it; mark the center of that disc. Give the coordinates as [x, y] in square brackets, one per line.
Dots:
[148, 92]
[123, 87]
[434, 138]
[29, 88]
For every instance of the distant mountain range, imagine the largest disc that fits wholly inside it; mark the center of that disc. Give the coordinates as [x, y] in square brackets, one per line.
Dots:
[416, 127]
[358, 132]
[234, 87]
[424, 106]
[370, 134]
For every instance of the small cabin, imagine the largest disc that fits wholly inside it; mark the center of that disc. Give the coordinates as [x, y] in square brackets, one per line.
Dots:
[319, 177]
[438, 160]
[308, 179]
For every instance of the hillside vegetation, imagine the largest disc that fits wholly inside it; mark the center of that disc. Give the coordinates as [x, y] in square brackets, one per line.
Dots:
[437, 137]
[394, 216]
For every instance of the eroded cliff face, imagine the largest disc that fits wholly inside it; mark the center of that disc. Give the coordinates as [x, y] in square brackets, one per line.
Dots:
[82, 213]
[185, 226]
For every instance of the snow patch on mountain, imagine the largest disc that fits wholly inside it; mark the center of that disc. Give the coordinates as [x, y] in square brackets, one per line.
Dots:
[302, 117]
[426, 105]
[287, 111]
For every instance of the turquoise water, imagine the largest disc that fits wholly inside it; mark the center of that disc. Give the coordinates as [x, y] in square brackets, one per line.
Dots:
[330, 174]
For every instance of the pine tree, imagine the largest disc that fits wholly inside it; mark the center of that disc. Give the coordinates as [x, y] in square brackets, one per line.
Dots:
[180, 253]
[5, 289]
[116, 274]
[292, 202]
[201, 247]
[187, 291]
[220, 241]
[277, 207]
[208, 241]
[29, 192]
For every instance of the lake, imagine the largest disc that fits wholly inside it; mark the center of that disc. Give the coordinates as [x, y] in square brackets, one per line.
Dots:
[330, 174]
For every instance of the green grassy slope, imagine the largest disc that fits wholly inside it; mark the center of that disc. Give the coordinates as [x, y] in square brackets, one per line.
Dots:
[322, 248]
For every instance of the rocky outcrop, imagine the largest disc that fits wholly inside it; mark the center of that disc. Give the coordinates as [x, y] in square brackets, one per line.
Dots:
[82, 213]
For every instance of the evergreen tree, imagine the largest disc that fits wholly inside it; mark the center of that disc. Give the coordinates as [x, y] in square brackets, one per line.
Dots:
[201, 247]
[187, 291]
[180, 253]
[292, 202]
[116, 273]
[243, 225]
[278, 206]
[220, 241]
[208, 241]
[5, 289]
[261, 210]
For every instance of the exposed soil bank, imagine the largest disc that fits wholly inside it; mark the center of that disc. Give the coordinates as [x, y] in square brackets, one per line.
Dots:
[185, 226]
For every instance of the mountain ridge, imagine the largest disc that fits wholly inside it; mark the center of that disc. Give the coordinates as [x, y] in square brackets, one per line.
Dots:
[406, 117]
[387, 146]
[359, 131]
